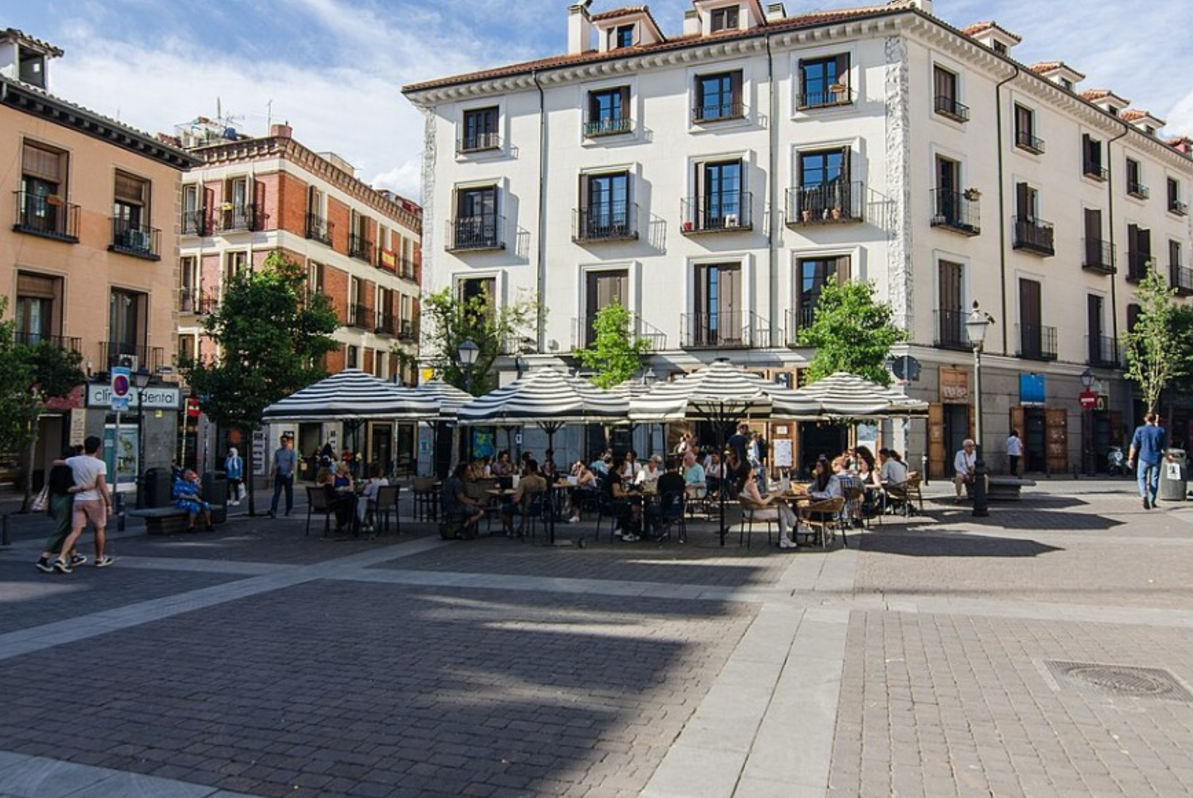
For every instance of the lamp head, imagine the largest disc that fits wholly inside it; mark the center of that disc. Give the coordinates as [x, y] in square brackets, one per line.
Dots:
[1087, 379]
[468, 352]
[141, 377]
[977, 324]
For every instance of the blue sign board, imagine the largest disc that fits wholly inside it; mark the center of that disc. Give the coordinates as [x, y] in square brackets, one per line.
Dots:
[1031, 390]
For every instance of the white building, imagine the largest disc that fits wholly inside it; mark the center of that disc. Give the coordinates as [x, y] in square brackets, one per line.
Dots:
[712, 181]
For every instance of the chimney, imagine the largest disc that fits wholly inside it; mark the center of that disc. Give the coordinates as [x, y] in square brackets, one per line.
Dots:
[691, 22]
[775, 12]
[923, 5]
[580, 31]
[282, 131]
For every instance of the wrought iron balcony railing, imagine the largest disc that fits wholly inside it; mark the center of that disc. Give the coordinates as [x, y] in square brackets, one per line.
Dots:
[1099, 256]
[724, 330]
[724, 212]
[478, 142]
[610, 126]
[239, 218]
[1138, 190]
[702, 113]
[67, 343]
[48, 216]
[1037, 342]
[1102, 351]
[799, 318]
[476, 233]
[1181, 278]
[1034, 235]
[360, 248]
[386, 323]
[950, 330]
[834, 96]
[319, 229]
[949, 107]
[1137, 265]
[360, 316]
[958, 211]
[1026, 140]
[582, 332]
[836, 201]
[197, 222]
[134, 356]
[1095, 170]
[613, 221]
[137, 240]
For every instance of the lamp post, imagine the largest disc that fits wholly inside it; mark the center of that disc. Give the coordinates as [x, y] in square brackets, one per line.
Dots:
[976, 326]
[468, 352]
[1087, 431]
[140, 380]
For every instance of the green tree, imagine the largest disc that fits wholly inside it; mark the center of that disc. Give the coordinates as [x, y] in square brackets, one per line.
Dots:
[449, 320]
[1156, 354]
[272, 336]
[852, 332]
[615, 353]
[30, 376]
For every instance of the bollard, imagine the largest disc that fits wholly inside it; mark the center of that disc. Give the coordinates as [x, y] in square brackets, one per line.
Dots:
[119, 512]
[4, 541]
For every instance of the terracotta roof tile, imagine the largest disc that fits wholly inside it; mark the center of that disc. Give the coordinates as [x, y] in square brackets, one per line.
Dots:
[1046, 66]
[20, 35]
[811, 19]
[1095, 94]
[620, 12]
[981, 27]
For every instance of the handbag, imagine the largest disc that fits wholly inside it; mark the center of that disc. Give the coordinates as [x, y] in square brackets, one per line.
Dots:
[41, 502]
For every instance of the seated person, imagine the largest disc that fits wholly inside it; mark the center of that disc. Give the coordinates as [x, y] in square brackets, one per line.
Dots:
[964, 466]
[693, 476]
[503, 467]
[770, 508]
[342, 494]
[631, 468]
[825, 485]
[458, 507]
[734, 476]
[627, 513]
[531, 484]
[547, 468]
[366, 506]
[714, 472]
[587, 486]
[891, 471]
[600, 464]
[649, 474]
[671, 489]
[187, 497]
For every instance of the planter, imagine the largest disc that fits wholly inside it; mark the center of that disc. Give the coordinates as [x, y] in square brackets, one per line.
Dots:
[687, 227]
[55, 200]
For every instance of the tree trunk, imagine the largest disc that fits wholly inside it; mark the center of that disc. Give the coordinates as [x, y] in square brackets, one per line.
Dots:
[29, 457]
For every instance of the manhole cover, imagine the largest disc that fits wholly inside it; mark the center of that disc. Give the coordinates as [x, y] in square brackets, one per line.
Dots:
[1126, 681]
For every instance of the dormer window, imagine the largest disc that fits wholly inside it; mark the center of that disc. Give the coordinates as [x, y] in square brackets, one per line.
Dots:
[621, 36]
[33, 68]
[1000, 48]
[1066, 83]
[724, 19]
[1110, 109]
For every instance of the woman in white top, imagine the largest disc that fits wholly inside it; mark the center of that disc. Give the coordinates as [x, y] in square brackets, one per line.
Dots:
[770, 508]
[649, 473]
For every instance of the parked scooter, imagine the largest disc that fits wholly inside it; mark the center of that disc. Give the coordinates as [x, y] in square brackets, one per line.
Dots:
[1116, 462]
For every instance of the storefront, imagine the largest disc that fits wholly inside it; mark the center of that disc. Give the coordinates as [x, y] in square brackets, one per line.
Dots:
[144, 437]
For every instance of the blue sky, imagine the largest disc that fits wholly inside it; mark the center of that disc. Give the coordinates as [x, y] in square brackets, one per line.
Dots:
[333, 68]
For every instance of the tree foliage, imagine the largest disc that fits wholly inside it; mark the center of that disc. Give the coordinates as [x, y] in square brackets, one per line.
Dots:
[1156, 351]
[271, 337]
[449, 320]
[852, 332]
[615, 353]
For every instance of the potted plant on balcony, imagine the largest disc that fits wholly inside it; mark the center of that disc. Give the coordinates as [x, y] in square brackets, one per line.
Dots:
[839, 91]
[972, 194]
[55, 200]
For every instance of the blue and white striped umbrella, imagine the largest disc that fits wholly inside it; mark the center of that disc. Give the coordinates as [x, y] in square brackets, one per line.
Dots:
[449, 398]
[352, 395]
[547, 397]
[720, 390]
[848, 396]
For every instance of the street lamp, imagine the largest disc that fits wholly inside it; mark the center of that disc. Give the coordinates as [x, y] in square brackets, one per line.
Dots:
[1087, 415]
[140, 380]
[468, 353]
[976, 326]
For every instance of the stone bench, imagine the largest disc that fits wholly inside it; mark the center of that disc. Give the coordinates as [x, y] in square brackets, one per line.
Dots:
[165, 520]
[1006, 489]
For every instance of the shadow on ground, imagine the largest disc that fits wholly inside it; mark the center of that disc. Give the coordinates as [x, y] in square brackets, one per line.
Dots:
[916, 543]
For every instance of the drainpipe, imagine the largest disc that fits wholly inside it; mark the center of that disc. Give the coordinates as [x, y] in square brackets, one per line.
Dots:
[1110, 221]
[541, 310]
[1002, 215]
[773, 189]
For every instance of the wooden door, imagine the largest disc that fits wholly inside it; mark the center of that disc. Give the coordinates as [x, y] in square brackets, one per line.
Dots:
[936, 449]
[1093, 237]
[1056, 422]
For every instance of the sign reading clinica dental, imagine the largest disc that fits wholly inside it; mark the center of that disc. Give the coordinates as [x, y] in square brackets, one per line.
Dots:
[156, 397]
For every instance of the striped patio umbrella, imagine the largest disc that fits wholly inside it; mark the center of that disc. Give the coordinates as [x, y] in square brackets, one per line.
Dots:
[848, 396]
[549, 398]
[352, 395]
[449, 398]
[721, 391]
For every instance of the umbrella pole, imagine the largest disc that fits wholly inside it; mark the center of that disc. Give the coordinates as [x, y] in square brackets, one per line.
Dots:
[550, 495]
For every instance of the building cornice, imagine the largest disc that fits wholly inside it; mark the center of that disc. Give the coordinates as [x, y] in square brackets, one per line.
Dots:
[35, 102]
[266, 147]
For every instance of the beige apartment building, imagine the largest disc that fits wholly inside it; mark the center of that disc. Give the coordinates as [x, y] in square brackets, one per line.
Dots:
[89, 261]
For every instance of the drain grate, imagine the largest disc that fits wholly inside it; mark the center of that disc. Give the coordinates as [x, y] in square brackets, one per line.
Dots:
[1121, 681]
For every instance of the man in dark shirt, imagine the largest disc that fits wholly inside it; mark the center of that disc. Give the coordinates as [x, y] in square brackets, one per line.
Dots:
[1148, 448]
[460, 509]
[671, 490]
[740, 442]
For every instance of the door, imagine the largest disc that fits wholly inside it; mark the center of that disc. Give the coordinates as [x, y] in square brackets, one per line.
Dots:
[722, 195]
[936, 451]
[382, 448]
[607, 204]
[603, 289]
[1093, 237]
[948, 178]
[951, 319]
[1094, 313]
[1057, 421]
[718, 319]
[956, 430]
[1034, 440]
[1030, 333]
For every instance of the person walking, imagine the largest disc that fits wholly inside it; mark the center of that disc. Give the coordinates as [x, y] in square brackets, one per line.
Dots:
[1148, 448]
[92, 503]
[1014, 451]
[284, 463]
[61, 509]
[234, 467]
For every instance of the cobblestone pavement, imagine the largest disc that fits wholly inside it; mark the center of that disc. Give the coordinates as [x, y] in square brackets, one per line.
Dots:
[927, 659]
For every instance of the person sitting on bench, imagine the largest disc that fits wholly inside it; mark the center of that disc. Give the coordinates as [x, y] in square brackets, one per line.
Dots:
[187, 497]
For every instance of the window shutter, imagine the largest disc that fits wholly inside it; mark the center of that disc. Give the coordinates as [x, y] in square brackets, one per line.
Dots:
[43, 164]
[843, 69]
[584, 188]
[1087, 148]
[1023, 201]
[736, 88]
[34, 285]
[624, 91]
[130, 189]
[1132, 316]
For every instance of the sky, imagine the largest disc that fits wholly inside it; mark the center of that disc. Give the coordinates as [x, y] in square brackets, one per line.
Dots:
[333, 69]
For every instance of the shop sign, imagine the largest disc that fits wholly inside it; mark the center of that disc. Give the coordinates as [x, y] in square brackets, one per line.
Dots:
[155, 397]
[954, 386]
[1031, 390]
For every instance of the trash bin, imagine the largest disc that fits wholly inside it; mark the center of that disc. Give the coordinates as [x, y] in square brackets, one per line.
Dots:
[1174, 476]
[215, 492]
[156, 488]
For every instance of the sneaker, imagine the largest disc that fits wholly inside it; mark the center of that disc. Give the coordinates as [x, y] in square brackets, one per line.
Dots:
[104, 562]
[45, 566]
[787, 543]
[1146, 504]
[62, 567]
[630, 538]
[575, 519]
[78, 559]
[272, 514]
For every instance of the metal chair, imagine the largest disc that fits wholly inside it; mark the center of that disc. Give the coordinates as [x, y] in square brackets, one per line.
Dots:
[385, 503]
[672, 513]
[825, 518]
[749, 515]
[318, 503]
[426, 499]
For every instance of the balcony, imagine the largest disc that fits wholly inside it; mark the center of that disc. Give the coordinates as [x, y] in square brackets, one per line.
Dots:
[360, 248]
[726, 212]
[1099, 256]
[1034, 235]
[798, 319]
[361, 317]
[717, 112]
[830, 203]
[1137, 190]
[25, 338]
[728, 330]
[1037, 342]
[47, 216]
[319, 229]
[1137, 265]
[1181, 279]
[837, 95]
[948, 107]
[208, 303]
[188, 300]
[196, 223]
[405, 268]
[407, 330]
[1095, 170]
[613, 126]
[136, 240]
[386, 323]
[236, 218]
[1025, 140]
[1178, 208]
[614, 221]
[957, 211]
[475, 233]
[478, 142]
[134, 356]
[950, 330]
[1102, 351]
[582, 332]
